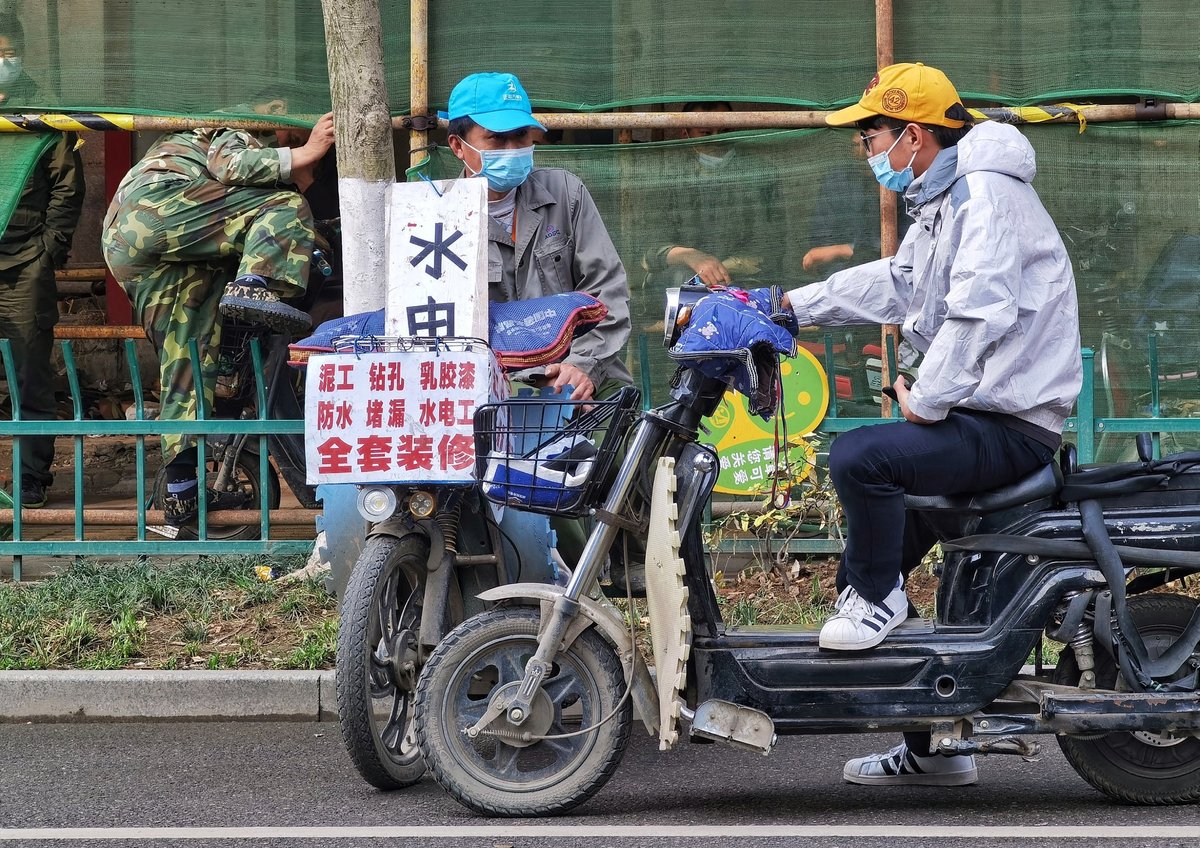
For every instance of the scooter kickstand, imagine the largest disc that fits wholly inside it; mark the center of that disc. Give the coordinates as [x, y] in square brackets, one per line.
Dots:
[1023, 748]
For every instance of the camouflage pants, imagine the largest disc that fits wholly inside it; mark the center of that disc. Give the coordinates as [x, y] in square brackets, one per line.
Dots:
[174, 245]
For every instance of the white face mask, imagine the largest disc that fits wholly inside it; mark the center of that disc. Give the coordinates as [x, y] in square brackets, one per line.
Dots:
[711, 160]
[10, 70]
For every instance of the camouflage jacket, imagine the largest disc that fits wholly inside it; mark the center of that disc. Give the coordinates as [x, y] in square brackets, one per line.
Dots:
[230, 157]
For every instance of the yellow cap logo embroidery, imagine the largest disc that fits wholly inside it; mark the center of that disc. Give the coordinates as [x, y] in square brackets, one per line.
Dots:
[895, 99]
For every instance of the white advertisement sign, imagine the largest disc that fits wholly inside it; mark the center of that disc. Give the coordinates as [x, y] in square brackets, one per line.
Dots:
[397, 416]
[437, 259]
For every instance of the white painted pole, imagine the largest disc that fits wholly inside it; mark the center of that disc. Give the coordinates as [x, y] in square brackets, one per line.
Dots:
[365, 156]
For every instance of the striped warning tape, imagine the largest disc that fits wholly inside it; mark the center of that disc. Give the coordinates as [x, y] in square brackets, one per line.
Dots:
[1033, 114]
[75, 122]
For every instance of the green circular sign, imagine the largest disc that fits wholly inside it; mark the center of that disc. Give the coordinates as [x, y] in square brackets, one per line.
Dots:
[746, 444]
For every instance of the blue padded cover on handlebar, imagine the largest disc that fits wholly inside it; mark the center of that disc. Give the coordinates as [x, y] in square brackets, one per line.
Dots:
[522, 333]
[729, 339]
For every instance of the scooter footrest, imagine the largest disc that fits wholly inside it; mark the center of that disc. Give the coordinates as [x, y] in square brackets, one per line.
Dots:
[742, 727]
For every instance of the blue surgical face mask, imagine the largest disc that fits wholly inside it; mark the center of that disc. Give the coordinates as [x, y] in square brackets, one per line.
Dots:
[889, 177]
[10, 70]
[504, 170]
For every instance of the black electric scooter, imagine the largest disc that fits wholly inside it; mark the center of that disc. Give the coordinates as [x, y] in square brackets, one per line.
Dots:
[524, 710]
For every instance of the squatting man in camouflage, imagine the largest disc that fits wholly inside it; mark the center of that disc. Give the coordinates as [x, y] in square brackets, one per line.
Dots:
[35, 243]
[210, 221]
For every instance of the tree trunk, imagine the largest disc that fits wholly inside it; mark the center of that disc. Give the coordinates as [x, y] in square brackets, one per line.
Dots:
[365, 157]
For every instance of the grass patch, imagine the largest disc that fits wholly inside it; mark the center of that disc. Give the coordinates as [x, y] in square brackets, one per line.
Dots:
[208, 613]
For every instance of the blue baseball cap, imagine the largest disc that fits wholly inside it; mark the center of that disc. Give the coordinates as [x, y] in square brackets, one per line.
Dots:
[496, 102]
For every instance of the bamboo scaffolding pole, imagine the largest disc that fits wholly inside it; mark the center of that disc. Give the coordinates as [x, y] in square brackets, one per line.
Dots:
[889, 337]
[98, 331]
[1054, 113]
[418, 74]
[292, 517]
[79, 274]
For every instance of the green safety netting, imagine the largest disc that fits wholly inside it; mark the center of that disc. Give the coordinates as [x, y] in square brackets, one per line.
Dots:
[163, 56]
[18, 156]
[1125, 198]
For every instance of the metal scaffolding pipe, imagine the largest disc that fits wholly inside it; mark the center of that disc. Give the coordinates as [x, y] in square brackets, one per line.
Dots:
[79, 288]
[292, 517]
[1055, 113]
[889, 235]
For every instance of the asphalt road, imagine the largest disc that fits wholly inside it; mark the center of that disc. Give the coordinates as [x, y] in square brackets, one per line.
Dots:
[99, 783]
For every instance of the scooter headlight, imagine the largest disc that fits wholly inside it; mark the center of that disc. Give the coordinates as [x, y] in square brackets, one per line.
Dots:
[679, 308]
[376, 503]
[422, 504]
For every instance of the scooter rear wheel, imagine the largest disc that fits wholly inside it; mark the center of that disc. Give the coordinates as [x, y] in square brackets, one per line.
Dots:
[1137, 767]
[377, 660]
[500, 775]
[244, 492]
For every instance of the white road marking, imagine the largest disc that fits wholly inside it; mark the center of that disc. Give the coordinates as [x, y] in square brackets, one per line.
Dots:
[534, 831]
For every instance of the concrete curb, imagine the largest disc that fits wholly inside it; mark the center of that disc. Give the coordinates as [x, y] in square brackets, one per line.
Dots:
[82, 696]
[97, 696]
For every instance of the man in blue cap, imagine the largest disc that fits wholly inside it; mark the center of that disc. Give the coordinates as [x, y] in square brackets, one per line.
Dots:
[545, 234]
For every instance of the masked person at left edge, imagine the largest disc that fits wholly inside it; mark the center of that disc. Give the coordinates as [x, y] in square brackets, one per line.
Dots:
[545, 234]
[35, 243]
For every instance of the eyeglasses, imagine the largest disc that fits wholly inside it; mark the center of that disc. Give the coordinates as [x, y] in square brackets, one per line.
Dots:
[866, 139]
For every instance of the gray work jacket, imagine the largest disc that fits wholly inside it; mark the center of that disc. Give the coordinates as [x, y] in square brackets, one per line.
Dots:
[562, 245]
[981, 284]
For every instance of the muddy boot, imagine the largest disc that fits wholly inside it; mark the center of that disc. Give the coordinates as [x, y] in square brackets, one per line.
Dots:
[248, 300]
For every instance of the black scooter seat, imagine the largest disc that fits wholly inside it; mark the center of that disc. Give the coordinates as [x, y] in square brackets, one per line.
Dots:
[1042, 483]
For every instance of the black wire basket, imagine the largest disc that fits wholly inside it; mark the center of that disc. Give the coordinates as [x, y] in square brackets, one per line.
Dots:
[550, 456]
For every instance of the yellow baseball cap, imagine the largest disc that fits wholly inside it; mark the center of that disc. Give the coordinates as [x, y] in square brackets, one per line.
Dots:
[908, 92]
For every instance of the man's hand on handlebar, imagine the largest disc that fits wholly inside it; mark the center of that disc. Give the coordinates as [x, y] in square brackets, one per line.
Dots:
[772, 302]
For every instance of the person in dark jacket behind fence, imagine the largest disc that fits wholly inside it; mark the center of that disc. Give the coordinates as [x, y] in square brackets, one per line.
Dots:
[983, 287]
[35, 243]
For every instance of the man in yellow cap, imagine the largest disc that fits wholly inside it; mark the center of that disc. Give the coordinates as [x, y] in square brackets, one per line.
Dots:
[983, 288]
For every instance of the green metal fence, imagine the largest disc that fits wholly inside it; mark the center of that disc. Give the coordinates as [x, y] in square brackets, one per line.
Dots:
[1086, 429]
[143, 541]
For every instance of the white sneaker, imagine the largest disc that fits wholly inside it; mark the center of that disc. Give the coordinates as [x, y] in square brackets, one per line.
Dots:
[901, 767]
[860, 624]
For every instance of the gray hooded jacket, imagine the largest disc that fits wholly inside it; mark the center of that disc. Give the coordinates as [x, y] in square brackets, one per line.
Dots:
[981, 285]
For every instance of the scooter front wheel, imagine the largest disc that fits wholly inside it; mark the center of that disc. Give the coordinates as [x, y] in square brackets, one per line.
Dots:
[518, 771]
[377, 660]
[1137, 767]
